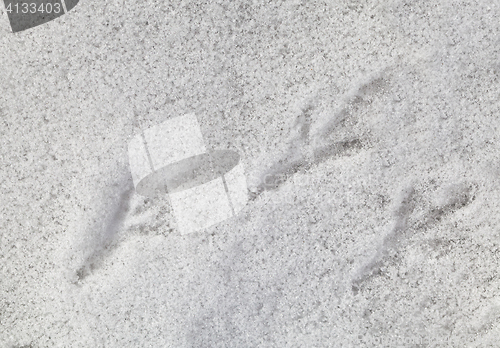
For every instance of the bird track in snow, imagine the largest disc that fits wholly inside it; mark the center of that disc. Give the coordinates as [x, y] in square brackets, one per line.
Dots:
[317, 138]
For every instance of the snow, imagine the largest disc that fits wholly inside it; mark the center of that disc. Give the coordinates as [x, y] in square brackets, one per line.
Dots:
[369, 132]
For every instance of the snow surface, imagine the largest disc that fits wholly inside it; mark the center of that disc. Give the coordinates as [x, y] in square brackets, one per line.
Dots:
[370, 136]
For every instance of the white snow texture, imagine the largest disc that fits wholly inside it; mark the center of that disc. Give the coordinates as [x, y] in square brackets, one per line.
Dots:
[369, 133]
